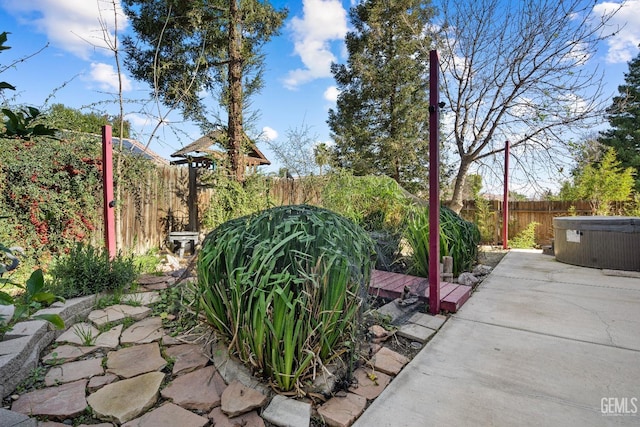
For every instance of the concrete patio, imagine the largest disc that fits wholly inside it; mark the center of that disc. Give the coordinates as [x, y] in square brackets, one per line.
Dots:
[539, 343]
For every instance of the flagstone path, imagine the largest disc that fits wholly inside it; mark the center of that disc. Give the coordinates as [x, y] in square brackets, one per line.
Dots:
[140, 376]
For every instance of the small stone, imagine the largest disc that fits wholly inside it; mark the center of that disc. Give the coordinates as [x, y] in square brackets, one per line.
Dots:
[66, 353]
[199, 390]
[238, 399]
[110, 339]
[369, 384]
[378, 331]
[143, 332]
[15, 396]
[79, 334]
[188, 357]
[467, 279]
[97, 382]
[131, 361]
[65, 401]
[388, 361]
[342, 411]
[168, 415]
[124, 400]
[73, 371]
[283, 411]
[250, 419]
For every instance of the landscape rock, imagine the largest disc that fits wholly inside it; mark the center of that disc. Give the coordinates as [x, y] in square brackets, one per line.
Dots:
[79, 333]
[389, 361]
[285, 412]
[73, 371]
[369, 384]
[188, 357]
[66, 353]
[124, 400]
[142, 298]
[168, 415]
[118, 312]
[143, 332]
[250, 419]
[97, 382]
[200, 390]
[238, 399]
[16, 419]
[65, 401]
[131, 361]
[481, 270]
[342, 411]
[467, 279]
[110, 339]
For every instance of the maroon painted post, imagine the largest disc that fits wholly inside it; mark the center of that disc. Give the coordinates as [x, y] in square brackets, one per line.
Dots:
[107, 184]
[434, 183]
[505, 199]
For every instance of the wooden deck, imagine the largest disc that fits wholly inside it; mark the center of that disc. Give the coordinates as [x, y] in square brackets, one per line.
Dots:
[392, 285]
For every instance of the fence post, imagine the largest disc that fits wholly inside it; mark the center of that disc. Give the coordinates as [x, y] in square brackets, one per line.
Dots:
[107, 186]
[434, 184]
[505, 201]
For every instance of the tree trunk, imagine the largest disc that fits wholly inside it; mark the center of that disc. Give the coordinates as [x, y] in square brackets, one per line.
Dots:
[456, 199]
[235, 132]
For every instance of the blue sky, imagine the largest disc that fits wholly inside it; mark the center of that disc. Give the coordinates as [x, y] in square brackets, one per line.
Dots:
[76, 70]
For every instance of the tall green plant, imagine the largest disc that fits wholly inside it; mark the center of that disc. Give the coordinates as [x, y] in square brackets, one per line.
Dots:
[285, 287]
[458, 239]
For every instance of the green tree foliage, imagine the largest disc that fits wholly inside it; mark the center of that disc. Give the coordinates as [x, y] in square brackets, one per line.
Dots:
[185, 48]
[67, 118]
[624, 119]
[600, 183]
[380, 124]
[3, 40]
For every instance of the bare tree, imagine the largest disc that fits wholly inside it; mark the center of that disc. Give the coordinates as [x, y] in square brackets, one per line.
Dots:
[296, 153]
[518, 71]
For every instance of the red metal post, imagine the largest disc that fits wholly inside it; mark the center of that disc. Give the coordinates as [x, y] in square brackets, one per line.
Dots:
[107, 184]
[434, 183]
[505, 199]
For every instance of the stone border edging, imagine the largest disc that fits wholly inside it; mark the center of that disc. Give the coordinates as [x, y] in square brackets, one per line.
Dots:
[20, 354]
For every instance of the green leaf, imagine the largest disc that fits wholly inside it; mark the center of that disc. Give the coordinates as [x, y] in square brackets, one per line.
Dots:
[54, 319]
[5, 298]
[5, 85]
[35, 283]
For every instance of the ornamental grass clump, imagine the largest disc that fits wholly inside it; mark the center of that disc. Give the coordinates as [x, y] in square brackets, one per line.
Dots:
[285, 287]
[458, 239]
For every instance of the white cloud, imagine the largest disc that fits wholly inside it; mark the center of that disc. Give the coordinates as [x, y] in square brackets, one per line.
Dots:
[269, 134]
[623, 46]
[107, 77]
[331, 94]
[323, 21]
[71, 25]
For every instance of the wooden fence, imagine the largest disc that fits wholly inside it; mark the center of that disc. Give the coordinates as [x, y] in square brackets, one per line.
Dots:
[159, 205]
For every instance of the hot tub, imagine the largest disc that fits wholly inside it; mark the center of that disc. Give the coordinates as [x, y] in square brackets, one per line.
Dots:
[611, 242]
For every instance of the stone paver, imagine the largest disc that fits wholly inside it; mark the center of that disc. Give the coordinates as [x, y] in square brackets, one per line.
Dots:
[238, 399]
[388, 361]
[16, 419]
[73, 371]
[342, 411]
[142, 298]
[97, 382]
[110, 339]
[220, 419]
[67, 400]
[125, 400]
[200, 390]
[142, 332]
[187, 357]
[168, 415]
[428, 321]
[66, 353]
[79, 333]
[118, 312]
[416, 332]
[131, 361]
[285, 412]
[369, 384]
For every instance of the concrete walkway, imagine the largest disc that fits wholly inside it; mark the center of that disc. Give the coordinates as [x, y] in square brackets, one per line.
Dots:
[540, 343]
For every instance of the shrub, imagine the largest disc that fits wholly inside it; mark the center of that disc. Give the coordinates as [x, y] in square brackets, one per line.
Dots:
[87, 271]
[526, 239]
[458, 239]
[285, 286]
